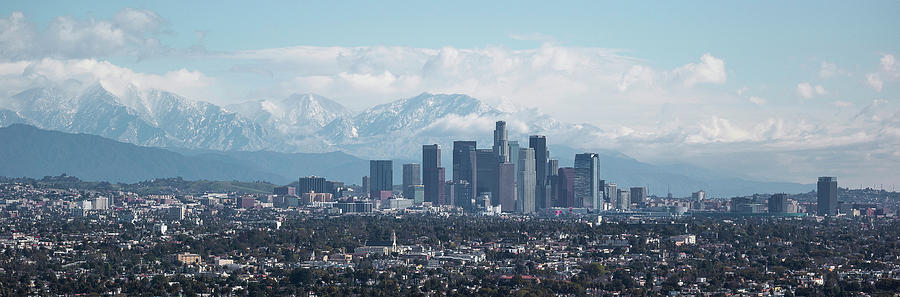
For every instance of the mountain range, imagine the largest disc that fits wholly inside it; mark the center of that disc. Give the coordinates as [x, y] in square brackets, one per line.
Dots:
[279, 140]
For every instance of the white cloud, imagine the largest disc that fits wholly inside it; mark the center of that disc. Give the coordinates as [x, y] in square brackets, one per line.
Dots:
[365, 76]
[758, 100]
[840, 103]
[138, 20]
[806, 90]
[637, 74]
[829, 70]
[709, 70]
[820, 90]
[80, 73]
[888, 63]
[130, 32]
[874, 81]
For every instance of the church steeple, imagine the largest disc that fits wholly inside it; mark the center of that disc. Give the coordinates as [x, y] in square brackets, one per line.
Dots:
[394, 241]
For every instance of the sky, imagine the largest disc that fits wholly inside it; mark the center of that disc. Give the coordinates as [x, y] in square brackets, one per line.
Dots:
[771, 90]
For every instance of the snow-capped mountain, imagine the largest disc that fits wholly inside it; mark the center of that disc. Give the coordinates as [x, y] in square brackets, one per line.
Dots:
[9, 117]
[94, 111]
[417, 112]
[151, 118]
[298, 123]
[298, 114]
[396, 129]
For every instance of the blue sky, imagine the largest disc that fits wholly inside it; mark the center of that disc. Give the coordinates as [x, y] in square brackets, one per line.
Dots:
[799, 82]
[763, 42]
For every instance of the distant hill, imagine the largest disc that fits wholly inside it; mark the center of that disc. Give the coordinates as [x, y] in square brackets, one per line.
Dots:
[26, 151]
[334, 165]
[31, 152]
[161, 186]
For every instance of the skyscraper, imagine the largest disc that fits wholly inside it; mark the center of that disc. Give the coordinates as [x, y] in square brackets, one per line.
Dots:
[459, 194]
[366, 185]
[541, 157]
[566, 188]
[506, 184]
[639, 195]
[312, 184]
[778, 203]
[465, 164]
[587, 178]
[526, 180]
[826, 193]
[623, 200]
[553, 180]
[501, 142]
[381, 177]
[514, 157]
[602, 186]
[441, 187]
[611, 193]
[432, 173]
[412, 175]
[488, 173]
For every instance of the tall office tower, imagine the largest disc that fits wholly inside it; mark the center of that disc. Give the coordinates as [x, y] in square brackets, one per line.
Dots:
[623, 200]
[566, 188]
[464, 163]
[501, 142]
[541, 157]
[639, 196]
[601, 185]
[459, 194]
[506, 184]
[442, 198]
[487, 172]
[514, 157]
[381, 174]
[525, 202]
[412, 175]
[553, 181]
[366, 185]
[431, 167]
[611, 192]
[778, 203]
[587, 180]
[312, 184]
[827, 195]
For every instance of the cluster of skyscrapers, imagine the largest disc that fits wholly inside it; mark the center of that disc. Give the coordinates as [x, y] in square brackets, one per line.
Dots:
[513, 178]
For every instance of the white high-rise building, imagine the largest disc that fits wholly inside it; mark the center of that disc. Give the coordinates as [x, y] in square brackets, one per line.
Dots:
[85, 205]
[526, 182]
[100, 203]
